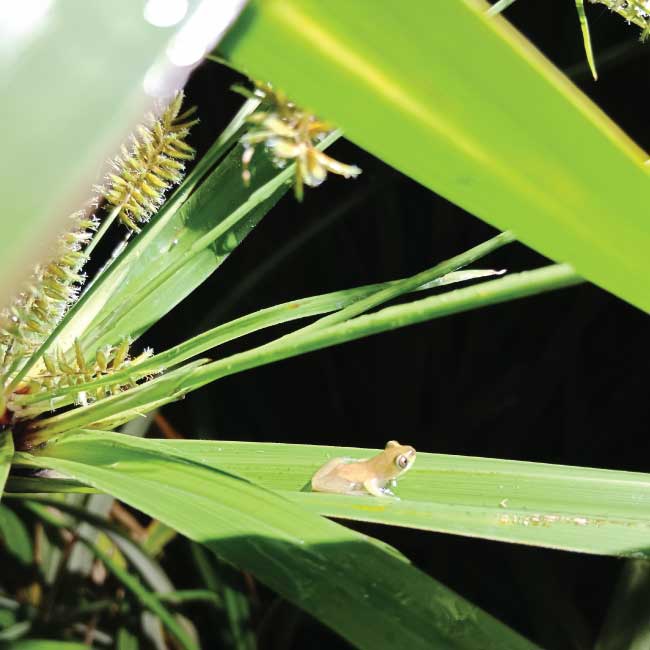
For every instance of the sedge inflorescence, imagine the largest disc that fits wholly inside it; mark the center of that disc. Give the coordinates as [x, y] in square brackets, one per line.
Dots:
[154, 162]
[634, 11]
[46, 297]
[289, 133]
[29, 362]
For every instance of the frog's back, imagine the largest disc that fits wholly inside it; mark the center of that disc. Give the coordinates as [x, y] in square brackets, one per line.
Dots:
[333, 477]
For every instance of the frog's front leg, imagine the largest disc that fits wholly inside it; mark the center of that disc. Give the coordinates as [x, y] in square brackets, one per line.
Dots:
[376, 488]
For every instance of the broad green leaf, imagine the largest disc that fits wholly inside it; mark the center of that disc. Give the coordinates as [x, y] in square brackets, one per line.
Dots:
[466, 106]
[14, 536]
[358, 586]
[6, 455]
[570, 508]
[117, 409]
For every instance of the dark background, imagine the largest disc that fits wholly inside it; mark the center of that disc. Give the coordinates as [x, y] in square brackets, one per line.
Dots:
[559, 378]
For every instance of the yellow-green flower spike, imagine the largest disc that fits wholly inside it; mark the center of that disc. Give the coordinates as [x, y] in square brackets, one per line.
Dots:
[153, 163]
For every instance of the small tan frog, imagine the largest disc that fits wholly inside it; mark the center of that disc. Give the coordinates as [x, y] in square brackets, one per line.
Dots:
[350, 476]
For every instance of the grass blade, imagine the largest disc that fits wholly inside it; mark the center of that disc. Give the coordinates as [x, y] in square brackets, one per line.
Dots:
[225, 585]
[6, 456]
[586, 38]
[46, 644]
[147, 599]
[283, 313]
[178, 383]
[570, 508]
[504, 135]
[354, 584]
[388, 293]
[573, 508]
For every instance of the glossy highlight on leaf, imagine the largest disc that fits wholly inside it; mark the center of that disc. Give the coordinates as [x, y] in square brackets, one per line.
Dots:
[503, 134]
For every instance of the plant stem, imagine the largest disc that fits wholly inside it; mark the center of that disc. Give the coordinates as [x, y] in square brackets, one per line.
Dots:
[101, 231]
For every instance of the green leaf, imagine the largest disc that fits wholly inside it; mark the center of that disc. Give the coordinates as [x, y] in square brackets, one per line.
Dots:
[179, 250]
[571, 508]
[349, 303]
[6, 456]
[14, 536]
[586, 38]
[14, 632]
[396, 289]
[359, 587]
[158, 536]
[475, 114]
[117, 409]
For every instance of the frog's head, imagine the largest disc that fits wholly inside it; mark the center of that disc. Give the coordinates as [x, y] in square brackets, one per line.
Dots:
[401, 457]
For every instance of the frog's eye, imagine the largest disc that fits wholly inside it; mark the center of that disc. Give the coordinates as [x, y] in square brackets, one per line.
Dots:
[402, 461]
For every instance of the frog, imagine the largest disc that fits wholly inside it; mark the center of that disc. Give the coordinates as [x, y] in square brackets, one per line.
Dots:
[362, 477]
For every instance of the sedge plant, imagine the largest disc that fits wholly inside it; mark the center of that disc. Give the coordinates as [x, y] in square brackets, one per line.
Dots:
[73, 373]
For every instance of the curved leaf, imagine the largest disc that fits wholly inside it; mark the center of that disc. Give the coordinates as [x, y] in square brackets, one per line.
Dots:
[359, 587]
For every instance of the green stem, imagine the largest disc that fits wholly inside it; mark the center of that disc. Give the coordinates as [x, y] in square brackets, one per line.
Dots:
[498, 7]
[101, 231]
[190, 596]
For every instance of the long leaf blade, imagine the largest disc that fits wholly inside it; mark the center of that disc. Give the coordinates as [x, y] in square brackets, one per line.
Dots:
[361, 589]
[119, 408]
[570, 508]
[474, 112]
